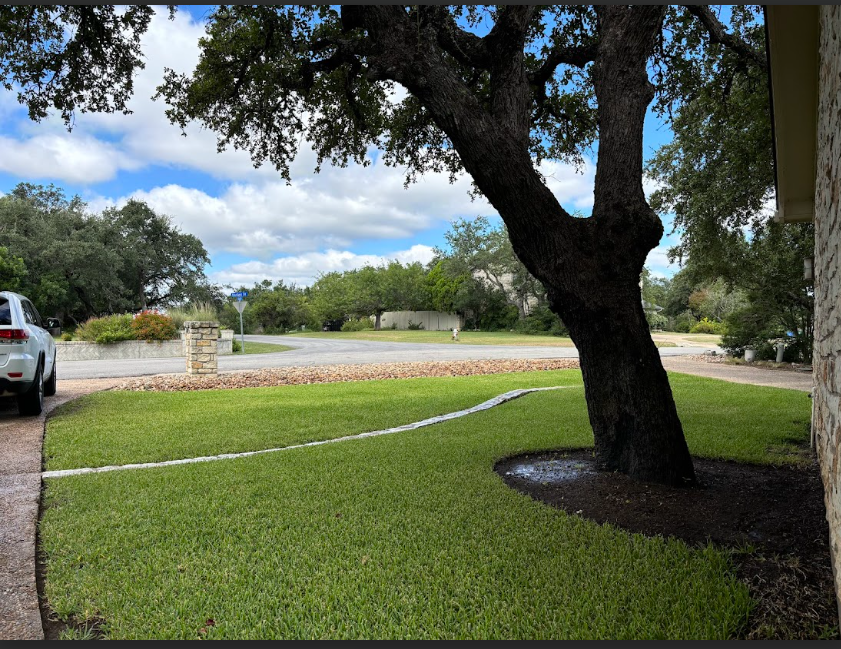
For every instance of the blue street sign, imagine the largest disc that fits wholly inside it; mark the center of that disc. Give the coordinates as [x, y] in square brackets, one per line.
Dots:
[240, 294]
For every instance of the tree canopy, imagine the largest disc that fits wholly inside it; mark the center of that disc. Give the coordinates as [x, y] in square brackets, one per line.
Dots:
[62, 250]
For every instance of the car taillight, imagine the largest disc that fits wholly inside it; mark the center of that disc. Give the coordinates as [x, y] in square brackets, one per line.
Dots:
[14, 334]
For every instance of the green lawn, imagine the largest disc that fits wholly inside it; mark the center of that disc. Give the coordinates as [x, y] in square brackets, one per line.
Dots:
[263, 348]
[464, 337]
[408, 535]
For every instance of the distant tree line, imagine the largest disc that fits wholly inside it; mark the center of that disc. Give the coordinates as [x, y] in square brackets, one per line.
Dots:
[75, 264]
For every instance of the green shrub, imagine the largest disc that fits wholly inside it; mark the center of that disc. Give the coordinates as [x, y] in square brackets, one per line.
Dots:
[414, 327]
[150, 326]
[66, 336]
[358, 325]
[108, 329]
[747, 328]
[684, 322]
[236, 347]
[707, 326]
[541, 321]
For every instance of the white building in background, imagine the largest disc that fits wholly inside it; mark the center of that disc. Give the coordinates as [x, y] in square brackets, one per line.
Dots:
[429, 320]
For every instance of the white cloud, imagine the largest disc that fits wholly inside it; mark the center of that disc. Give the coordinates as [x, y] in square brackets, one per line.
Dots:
[304, 269]
[573, 190]
[80, 159]
[658, 259]
[329, 210]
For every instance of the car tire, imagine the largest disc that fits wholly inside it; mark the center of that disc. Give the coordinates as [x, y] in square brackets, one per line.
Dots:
[31, 402]
[50, 383]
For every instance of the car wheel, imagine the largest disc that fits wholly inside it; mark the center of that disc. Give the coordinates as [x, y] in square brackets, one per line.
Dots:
[50, 384]
[31, 402]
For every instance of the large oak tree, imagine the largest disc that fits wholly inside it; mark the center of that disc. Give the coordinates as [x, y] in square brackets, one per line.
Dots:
[491, 91]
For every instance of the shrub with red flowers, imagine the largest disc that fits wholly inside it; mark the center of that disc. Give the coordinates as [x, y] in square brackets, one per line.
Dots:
[151, 325]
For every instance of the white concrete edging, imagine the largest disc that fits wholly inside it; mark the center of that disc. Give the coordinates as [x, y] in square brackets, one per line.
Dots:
[490, 403]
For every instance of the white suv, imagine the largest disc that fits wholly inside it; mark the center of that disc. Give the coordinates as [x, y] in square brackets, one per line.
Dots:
[27, 354]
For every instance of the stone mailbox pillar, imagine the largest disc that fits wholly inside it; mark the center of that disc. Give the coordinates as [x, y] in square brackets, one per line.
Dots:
[200, 338]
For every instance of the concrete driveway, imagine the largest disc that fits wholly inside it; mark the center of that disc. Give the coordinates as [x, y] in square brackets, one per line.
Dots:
[319, 351]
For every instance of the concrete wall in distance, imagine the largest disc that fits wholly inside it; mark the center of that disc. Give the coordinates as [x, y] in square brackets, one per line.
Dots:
[826, 362]
[431, 320]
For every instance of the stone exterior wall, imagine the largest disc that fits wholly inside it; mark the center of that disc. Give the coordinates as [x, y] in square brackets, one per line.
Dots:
[827, 354]
[202, 345]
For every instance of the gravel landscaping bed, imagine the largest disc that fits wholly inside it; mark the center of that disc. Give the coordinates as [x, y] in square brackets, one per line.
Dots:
[334, 373]
[730, 360]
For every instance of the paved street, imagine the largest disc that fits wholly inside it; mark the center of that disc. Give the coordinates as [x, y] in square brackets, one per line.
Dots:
[318, 351]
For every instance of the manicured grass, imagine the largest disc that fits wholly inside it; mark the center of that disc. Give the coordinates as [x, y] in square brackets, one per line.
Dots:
[263, 348]
[123, 427]
[445, 337]
[404, 536]
[721, 419]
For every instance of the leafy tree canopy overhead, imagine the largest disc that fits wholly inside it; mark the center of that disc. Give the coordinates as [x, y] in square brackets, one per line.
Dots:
[71, 57]
[717, 174]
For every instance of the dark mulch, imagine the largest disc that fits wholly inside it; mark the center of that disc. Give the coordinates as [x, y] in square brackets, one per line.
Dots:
[772, 517]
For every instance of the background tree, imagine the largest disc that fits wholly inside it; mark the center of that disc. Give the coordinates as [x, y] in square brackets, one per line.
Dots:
[64, 249]
[331, 297]
[160, 264]
[273, 308]
[717, 177]
[443, 286]
[12, 270]
[541, 83]
[476, 248]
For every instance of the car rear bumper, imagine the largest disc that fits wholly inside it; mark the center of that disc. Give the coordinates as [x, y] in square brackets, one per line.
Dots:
[10, 388]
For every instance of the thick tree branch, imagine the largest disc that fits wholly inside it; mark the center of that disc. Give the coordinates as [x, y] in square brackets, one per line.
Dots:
[579, 56]
[466, 48]
[509, 86]
[718, 34]
[403, 53]
[510, 28]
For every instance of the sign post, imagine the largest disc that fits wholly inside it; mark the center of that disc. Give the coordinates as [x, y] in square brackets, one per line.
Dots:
[240, 305]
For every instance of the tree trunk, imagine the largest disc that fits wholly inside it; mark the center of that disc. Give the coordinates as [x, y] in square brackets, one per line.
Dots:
[377, 321]
[520, 303]
[589, 266]
[635, 423]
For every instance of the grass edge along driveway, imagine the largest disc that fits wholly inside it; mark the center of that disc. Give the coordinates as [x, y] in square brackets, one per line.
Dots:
[410, 535]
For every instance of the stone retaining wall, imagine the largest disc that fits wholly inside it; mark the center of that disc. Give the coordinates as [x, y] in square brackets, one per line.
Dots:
[77, 350]
[826, 363]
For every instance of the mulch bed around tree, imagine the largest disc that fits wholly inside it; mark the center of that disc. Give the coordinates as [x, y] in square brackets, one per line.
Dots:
[773, 518]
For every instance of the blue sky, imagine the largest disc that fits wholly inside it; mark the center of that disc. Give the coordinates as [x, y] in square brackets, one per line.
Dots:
[253, 225]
